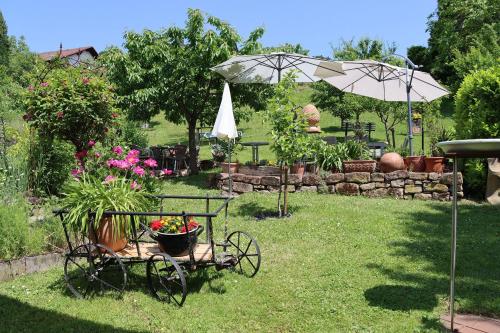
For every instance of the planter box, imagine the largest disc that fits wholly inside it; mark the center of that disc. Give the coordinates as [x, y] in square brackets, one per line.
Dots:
[258, 170]
[359, 166]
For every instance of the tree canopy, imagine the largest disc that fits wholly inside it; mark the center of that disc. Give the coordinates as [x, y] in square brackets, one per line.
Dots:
[4, 42]
[169, 71]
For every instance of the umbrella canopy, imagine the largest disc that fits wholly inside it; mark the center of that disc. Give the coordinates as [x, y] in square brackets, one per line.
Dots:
[270, 68]
[225, 126]
[386, 82]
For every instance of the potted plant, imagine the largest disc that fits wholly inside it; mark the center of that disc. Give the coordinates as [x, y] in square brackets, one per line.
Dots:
[435, 163]
[358, 158]
[89, 197]
[298, 167]
[108, 179]
[171, 234]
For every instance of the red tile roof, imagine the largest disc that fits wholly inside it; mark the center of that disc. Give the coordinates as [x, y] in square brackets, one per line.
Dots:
[67, 53]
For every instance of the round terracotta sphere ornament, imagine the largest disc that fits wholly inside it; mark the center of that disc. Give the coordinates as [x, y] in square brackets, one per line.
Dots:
[390, 162]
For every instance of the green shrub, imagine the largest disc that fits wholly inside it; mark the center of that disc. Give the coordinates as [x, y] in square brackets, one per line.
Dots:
[476, 105]
[132, 135]
[477, 116]
[17, 237]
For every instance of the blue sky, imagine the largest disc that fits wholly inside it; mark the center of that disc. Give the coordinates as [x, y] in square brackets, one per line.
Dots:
[315, 24]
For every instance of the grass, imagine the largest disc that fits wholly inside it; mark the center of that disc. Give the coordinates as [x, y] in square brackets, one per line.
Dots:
[339, 264]
[163, 132]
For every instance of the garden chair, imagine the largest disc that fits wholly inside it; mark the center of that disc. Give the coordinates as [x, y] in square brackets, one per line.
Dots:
[178, 157]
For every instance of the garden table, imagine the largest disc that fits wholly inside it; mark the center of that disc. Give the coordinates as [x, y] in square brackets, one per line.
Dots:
[255, 149]
[479, 148]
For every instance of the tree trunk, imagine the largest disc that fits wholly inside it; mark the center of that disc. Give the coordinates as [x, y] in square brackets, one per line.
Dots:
[193, 152]
[279, 192]
[285, 193]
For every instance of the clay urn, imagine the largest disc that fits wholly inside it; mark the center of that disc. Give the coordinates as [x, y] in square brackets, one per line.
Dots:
[390, 162]
[311, 114]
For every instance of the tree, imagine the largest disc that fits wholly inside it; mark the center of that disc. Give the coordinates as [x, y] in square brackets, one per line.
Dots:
[365, 48]
[456, 26]
[390, 114]
[288, 129]
[4, 42]
[169, 71]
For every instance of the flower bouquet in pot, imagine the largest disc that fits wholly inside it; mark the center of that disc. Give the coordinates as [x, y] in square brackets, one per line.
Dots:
[108, 179]
[172, 235]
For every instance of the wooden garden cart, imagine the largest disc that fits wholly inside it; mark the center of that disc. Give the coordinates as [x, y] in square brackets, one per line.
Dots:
[92, 268]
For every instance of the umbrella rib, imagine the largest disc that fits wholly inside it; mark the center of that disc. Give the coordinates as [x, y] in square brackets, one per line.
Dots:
[353, 82]
[259, 62]
[294, 65]
[254, 57]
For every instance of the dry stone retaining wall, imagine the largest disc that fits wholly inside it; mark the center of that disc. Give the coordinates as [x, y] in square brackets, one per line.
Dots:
[399, 184]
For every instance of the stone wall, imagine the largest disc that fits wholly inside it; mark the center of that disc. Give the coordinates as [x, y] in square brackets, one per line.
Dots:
[399, 184]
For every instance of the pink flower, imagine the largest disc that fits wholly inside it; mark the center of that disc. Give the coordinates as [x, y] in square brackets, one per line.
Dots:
[76, 172]
[166, 172]
[85, 80]
[81, 154]
[30, 88]
[97, 154]
[44, 84]
[121, 164]
[118, 150]
[134, 152]
[91, 143]
[109, 179]
[138, 171]
[150, 163]
[111, 163]
[135, 186]
[132, 159]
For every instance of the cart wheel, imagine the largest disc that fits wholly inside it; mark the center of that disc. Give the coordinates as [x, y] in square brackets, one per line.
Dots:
[166, 279]
[94, 269]
[246, 250]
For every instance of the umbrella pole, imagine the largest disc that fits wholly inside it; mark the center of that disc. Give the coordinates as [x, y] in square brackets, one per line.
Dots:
[453, 243]
[230, 184]
[408, 98]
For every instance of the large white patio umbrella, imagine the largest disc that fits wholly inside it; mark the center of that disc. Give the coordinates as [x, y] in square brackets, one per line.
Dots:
[388, 83]
[270, 68]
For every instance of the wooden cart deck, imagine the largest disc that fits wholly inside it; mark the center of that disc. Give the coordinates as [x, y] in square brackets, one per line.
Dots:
[202, 252]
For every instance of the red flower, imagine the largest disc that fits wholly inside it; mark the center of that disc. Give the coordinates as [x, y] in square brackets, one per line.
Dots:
[191, 225]
[59, 114]
[114, 115]
[155, 225]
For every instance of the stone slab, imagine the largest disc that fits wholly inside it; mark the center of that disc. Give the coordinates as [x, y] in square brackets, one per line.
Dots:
[357, 177]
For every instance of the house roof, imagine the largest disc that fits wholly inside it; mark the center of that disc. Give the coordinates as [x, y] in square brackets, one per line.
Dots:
[68, 53]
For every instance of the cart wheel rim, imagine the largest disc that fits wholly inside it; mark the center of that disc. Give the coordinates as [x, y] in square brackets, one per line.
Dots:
[247, 252]
[166, 279]
[94, 269]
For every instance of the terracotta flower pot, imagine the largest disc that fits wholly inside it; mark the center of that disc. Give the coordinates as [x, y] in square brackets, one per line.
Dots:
[107, 236]
[298, 168]
[229, 166]
[390, 162]
[415, 163]
[359, 166]
[434, 164]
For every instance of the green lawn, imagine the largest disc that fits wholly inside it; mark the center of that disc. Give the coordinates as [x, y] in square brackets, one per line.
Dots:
[163, 132]
[339, 264]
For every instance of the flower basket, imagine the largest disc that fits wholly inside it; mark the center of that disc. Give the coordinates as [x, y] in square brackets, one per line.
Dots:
[177, 243]
[359, 166]
[170, 233]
